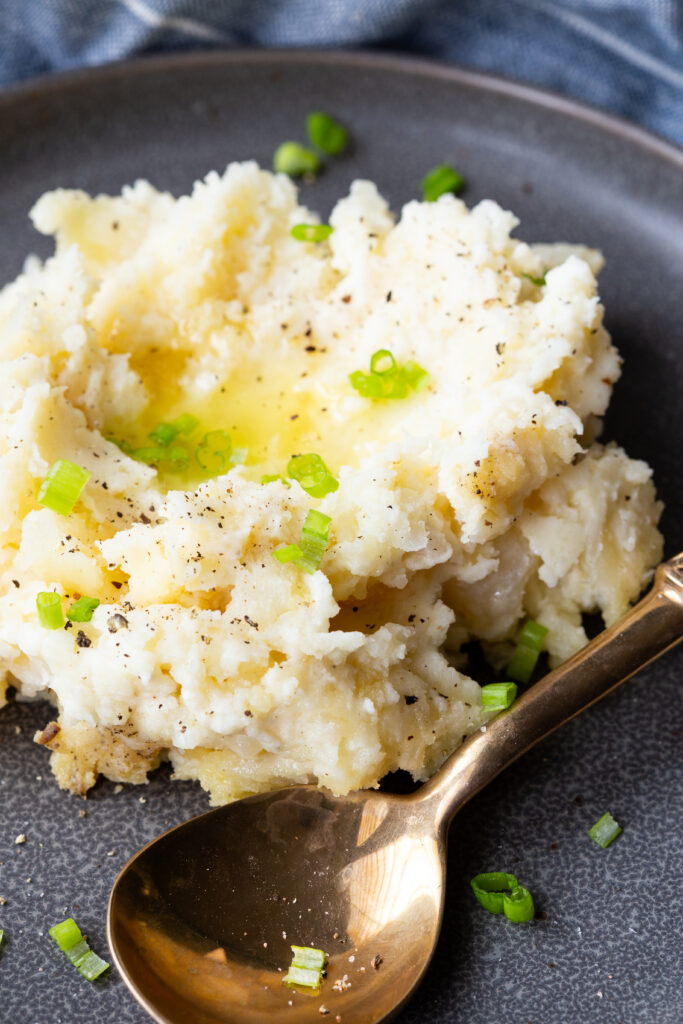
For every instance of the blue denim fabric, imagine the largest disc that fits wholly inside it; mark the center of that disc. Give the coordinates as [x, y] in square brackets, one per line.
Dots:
[623, 55]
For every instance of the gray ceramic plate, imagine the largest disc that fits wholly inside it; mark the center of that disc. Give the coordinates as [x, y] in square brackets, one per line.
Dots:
[605, 945]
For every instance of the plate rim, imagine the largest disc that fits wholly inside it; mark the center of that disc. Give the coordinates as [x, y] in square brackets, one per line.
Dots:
[36, 87]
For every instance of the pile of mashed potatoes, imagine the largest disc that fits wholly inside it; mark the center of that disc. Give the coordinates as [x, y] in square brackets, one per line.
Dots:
[461, 510]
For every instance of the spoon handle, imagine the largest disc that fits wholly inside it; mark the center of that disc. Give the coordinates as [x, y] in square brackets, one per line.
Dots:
[649, 629]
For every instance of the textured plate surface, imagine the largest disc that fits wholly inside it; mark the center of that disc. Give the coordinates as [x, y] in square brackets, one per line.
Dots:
[605, 942]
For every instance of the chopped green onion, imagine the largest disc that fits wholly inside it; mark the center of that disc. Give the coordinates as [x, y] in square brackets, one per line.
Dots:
[185, 423]
[538, 281]
[378, 386]
[605, 830]
[288, 553]
[270, 478]
[387, 379]
[518, 906]
[150, 454]
[522, 663]
[383, 363]
[82, 609]
[439, 180]
[91, 966]
[414, 376]
[326, 133]
[164, 433]
[295, 160]
[489, 888]
[61, 488]
[314, 540]
[308, 956]
[66, 934]
[68, 937]
[525, 655]
[2, 935]
[50, 614]
[498, 696]
[178, 456]
[533, 635]
[312, 475]
[76, 952]
[311, 232]
[304, 976]
[212, 454]
[499, 893]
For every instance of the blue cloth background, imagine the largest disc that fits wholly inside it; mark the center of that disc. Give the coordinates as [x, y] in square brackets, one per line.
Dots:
[623, 55]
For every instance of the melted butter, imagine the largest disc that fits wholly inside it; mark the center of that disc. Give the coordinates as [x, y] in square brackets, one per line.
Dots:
[272, 409]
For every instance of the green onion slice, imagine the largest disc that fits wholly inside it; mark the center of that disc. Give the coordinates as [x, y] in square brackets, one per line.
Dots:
[164, 433]
[414, 376]
[151, 454]
[312, 475]
[439, 180]
[605, 830]
[270, 478]
[91, 966]
[50, 614]
[295, 160]
[490, 888]
[522, 663]
[82, 609]
[2, 935]
[185, 423]
[308, 554]
[383, 363]
[66, 934]
[214, 451]
[287, 553]
[304, 976]
[498, 696]
[518, 906]
[178, 457]
[308, 956]
[61, 488]
[311, 232]
[538, 281]
[533, 635]
[387, 379]
[68, 937]
[326, 133]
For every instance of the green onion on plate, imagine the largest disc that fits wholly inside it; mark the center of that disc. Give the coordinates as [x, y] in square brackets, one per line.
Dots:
[295, 160]
[439, 180]
[605, 830]
[325, 133]
[68, 937]
[501, 893]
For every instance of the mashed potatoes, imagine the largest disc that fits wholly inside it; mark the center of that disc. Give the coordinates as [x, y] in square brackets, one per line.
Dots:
[461, 509]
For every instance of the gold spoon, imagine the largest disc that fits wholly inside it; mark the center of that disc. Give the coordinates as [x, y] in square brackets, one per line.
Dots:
[200, 922]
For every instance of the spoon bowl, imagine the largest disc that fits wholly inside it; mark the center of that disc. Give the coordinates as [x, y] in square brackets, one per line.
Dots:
[201, 920]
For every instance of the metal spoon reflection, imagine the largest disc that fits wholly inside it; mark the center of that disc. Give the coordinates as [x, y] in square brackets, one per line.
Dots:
[201, 920]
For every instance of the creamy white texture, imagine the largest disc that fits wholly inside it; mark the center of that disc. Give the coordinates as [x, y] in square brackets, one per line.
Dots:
[461, 510]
